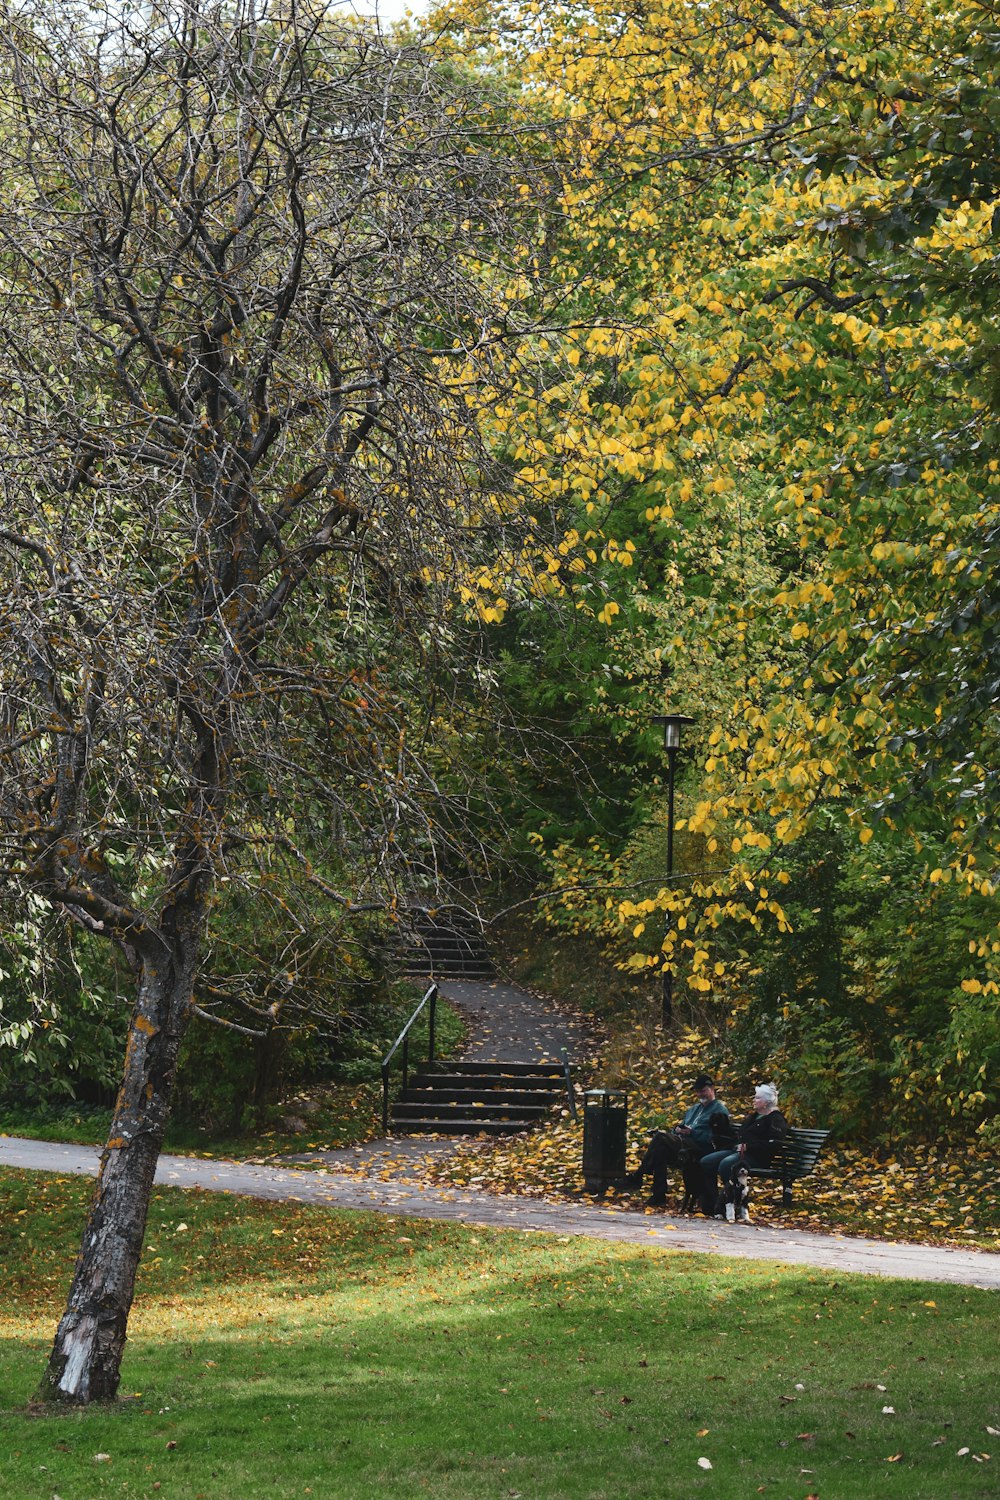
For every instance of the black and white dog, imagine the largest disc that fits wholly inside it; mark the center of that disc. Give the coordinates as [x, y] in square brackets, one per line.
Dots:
[737, 1196]
[732, 1200]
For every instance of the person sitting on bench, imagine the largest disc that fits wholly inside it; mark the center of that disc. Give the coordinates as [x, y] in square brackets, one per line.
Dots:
[758, 1136]
[684, 1145]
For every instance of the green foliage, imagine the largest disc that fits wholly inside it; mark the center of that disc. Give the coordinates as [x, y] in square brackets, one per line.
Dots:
[237, 1096]
[925, 245]
[761, 461]
[861, 1010]
[62, 1019]
[794, 420]
[569, 766]
[65, 1010]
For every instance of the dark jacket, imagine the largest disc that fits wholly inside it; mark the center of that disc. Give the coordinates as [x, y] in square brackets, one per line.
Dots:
[761, 1134]
[704, 1121]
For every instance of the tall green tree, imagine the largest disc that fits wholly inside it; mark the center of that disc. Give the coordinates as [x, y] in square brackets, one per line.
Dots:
[791, 209]
[255, 272]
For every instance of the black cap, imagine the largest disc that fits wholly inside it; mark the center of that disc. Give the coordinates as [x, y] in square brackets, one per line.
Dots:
[703, 1082]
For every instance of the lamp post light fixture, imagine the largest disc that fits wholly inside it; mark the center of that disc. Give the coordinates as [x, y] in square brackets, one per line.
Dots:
[673, 725]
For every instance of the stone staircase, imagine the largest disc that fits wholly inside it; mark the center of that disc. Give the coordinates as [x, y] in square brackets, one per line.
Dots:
[472, 1098]
[475, 1096]
[448, 944]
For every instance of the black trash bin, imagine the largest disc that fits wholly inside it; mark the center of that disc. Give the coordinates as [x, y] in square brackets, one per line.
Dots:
[605, 1122]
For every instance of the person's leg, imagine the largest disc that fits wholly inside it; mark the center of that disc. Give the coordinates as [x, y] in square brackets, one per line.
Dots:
[727, 1171]
[721, 1163]
[663, 1160]
[664, 1150]
[708, 1189]
[709, 1186]
[660, 1154]
[727, 1168]
[691, 1172]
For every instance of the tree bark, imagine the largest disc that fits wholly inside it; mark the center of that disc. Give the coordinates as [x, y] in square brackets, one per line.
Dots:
[85, 1363]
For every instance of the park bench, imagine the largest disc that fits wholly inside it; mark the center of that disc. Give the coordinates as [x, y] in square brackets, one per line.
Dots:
[795, 1157]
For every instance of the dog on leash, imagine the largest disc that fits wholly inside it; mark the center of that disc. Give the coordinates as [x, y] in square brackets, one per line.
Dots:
[735, 1195]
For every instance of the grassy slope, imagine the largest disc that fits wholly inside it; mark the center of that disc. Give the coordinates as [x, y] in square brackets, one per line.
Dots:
[285, 1351]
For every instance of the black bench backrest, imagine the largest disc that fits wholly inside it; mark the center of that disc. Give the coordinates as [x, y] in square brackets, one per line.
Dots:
[799, 1151]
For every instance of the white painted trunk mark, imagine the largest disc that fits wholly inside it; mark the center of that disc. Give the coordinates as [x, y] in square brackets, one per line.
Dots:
[78, 1345]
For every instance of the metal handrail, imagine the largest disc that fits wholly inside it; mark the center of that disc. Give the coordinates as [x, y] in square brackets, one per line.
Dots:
[404, 1040]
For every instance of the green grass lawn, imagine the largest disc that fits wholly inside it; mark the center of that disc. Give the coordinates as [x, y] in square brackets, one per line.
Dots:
[279, 1350]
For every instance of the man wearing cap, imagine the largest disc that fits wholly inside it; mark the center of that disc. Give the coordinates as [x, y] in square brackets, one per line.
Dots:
[685, 1144]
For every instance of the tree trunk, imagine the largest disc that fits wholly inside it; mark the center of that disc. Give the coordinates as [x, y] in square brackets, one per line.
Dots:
[85, 1363]
[268, 1062]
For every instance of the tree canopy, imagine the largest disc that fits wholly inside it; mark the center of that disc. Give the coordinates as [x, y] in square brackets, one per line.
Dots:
[781, 226]
[256, 269]
[585, 362]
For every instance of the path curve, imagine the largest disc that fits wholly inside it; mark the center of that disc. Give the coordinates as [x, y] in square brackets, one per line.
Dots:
[977, 1268]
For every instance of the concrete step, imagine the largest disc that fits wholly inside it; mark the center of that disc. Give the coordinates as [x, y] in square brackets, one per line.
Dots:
[425, 967]
[492, 1096]
[459, 1127]
[442, 948]
[430, 958]
[466, 1097]
[486, 1088]
[432, 1109]
[455, 1067]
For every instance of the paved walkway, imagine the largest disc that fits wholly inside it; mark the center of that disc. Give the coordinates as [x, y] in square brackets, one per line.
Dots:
[409, 1201]
[510, 1025]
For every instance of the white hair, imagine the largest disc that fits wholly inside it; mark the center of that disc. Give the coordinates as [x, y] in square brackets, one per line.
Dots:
[766, 1091]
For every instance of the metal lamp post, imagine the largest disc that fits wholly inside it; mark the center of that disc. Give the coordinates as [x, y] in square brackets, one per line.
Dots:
[673, 724]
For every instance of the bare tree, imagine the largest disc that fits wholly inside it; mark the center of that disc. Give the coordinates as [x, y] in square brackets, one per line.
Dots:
[254, 286]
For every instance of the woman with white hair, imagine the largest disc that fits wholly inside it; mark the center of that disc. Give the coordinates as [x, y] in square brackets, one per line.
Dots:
[758, 1136]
